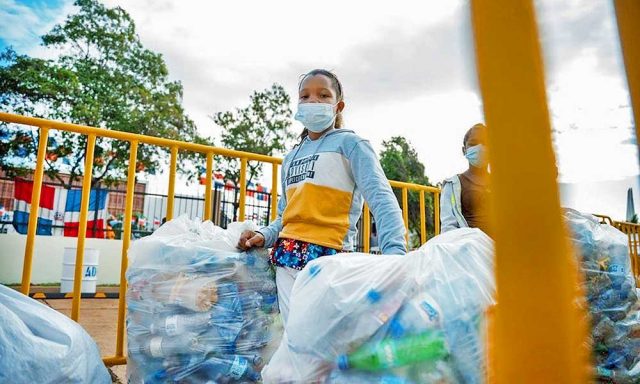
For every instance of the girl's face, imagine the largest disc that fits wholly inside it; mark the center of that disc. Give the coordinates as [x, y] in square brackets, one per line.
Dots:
[318, 89]
[477, 136]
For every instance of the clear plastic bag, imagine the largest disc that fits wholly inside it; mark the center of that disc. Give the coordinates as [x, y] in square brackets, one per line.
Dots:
[418, 318]
[199, 309]
[603, 254]
[40, 345]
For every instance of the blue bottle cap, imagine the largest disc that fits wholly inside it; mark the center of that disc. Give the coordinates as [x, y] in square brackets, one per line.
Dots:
[373, 296]
[396, 330]
[343, 362]
[314, 270]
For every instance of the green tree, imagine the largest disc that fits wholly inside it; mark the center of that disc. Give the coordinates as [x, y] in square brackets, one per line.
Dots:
[101, 76]
[261, 127]
[400, 162]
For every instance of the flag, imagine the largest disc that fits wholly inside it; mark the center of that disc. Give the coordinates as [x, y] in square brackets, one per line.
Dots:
[97, 215]
[218, 180]
[22, 207]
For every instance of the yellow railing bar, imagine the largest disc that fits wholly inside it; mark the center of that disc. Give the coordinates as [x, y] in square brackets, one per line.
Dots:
[405, 212]
[82, 226]
[413, 187]
[539, 327]
[274, 191]
[126, 238]
[35, 206]
[628, 16]
[172, 182]
[366, 228]
[207, 214]
[436, 211]
[423, 220]
[114, 360]
[126, 136]
[243, 188]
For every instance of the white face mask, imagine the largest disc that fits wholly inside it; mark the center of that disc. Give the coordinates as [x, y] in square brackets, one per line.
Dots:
[316, 117]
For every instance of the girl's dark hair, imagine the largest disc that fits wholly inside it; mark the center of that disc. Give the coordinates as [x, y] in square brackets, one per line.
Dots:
[337, 87]
[466, 135]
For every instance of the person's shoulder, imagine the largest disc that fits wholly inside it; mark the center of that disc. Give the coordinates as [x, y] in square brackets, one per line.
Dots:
[348, 140]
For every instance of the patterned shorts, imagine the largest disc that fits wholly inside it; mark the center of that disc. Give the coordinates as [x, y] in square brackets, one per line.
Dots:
[296, 254]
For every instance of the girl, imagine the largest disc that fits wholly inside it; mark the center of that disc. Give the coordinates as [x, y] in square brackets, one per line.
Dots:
[464, 196]
[326, 179]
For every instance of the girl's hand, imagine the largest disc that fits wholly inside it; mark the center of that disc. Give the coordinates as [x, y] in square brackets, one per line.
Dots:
[250, 239]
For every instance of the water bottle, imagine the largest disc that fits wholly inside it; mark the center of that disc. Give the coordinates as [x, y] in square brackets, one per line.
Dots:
[354, 377]
[253, 358]
[389, 353]
[251, 301]
[178, 324]
[164, 346]
[466, 343]
[269, 303]
[236, 368]
[198, 293]
[419, 314]
[253, 336]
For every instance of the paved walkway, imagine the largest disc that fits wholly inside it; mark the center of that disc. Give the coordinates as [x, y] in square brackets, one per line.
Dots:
[99, 319]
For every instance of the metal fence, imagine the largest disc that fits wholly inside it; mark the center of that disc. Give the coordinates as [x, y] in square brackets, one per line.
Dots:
[149, 210]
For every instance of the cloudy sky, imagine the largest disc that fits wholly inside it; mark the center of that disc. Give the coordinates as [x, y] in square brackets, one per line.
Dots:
[407, 69]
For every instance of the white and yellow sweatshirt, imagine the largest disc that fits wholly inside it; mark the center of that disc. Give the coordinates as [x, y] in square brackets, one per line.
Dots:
[326, 182]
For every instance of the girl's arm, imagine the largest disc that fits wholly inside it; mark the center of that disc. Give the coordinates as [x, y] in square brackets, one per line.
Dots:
[448, 220]
[271, 231]
[377, 192]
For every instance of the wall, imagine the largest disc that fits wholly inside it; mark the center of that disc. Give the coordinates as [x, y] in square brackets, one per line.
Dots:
[47, 258]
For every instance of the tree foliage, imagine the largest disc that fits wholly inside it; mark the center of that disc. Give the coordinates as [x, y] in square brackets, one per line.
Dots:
[400, 162]
[101, 76]
[261, 127]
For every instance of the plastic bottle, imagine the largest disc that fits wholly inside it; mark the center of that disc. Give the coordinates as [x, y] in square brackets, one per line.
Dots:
[237, 368]
[428, 346]
[418, 315]
[163, 346]
[197, 293]
[178, 324]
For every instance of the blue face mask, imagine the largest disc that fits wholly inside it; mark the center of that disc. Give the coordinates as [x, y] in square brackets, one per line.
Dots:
[477, 156]
[316, 117]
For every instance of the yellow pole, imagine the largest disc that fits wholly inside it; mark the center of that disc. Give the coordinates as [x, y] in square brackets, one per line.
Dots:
[436, 212]
[33, 212]
[126, 237]
[172, 182]
[540, 332]
[274, 191]
[628, 16]
[207, 215]
[243, 187]
[366, 231]
[405, 212]
[423, 220]
[82, 226]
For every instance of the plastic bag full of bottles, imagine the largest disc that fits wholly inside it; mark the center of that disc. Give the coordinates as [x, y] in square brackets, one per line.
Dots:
[199, 310]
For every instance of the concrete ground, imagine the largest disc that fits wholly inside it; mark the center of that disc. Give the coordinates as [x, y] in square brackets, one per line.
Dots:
[99, 319]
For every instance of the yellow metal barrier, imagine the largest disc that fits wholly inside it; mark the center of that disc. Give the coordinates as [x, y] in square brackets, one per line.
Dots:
[174, 147]
[540, 334]
[632, 230]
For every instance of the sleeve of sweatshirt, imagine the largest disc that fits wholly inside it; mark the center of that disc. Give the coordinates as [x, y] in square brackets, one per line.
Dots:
[448, 220]
[271, 231]
[377, 192]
